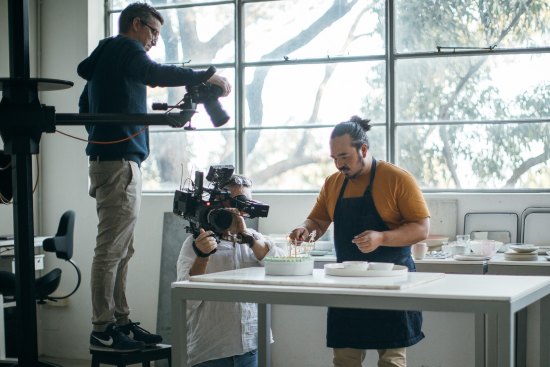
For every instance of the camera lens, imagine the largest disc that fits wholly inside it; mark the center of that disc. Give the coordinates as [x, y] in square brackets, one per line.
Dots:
[216, 112]
[220, 219]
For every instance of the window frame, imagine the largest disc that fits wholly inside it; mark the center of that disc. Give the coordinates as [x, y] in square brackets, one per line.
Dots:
[390, 58]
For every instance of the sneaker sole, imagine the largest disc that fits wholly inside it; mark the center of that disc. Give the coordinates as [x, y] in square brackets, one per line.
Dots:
[107, 349]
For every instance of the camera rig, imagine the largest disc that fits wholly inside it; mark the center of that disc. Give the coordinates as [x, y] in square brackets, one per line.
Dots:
[206, 207]
[205, 93]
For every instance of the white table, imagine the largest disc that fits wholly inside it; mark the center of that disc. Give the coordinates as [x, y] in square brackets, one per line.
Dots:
[499, 266]
[498, 297]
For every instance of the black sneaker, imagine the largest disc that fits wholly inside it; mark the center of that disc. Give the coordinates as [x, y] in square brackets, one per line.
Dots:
[135, 332]
[112, 339]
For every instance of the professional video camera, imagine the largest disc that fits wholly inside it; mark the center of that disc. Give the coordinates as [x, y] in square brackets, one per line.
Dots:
[204, 93]
[206, 207]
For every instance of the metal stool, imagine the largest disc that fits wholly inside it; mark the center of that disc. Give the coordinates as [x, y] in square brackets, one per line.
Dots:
[122, 359]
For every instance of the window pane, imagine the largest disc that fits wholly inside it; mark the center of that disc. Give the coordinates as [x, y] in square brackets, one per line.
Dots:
[199, 35]
[201, 119]
[424, 25]
[314, 94]
[473, 88]
[175, 156]
[296, 159]
[476, 156]
[313, 29]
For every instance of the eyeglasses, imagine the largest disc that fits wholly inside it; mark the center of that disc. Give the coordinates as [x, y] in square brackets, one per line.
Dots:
[154, 32]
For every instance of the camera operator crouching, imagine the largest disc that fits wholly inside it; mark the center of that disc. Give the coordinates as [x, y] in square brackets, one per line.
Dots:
[239, 247]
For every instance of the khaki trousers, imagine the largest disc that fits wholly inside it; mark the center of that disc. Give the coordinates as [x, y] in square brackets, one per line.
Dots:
[350, 357]
[116, 186]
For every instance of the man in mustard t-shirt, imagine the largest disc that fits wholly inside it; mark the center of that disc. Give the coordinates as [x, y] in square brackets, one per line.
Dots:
[378, 211]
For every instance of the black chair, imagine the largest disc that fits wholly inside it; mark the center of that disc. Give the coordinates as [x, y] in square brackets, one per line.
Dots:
[62, 245]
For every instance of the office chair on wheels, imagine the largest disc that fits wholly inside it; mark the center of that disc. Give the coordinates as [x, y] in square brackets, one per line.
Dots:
[62, 245]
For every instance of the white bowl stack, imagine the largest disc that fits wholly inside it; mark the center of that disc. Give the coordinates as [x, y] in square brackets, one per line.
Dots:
[524, 252]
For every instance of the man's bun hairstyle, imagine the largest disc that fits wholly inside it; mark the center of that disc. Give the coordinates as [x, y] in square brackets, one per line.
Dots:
[356, 128]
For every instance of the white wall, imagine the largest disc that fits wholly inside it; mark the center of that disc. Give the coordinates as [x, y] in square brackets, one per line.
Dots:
[64, 331]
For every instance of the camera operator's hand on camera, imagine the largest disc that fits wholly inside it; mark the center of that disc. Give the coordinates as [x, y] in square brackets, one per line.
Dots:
[221, 82]
[206, 242]
[238, 225]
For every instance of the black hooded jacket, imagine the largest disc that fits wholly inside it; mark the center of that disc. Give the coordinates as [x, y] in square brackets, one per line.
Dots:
[117, 73]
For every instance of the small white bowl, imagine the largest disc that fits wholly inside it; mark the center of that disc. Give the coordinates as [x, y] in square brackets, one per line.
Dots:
[381, 266]
[524, 248]
[355, 265]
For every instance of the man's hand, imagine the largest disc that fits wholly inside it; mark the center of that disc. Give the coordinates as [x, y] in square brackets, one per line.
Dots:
[221, 82]
[368, 241]
[206, 242]
[298, 235]
[237, 225]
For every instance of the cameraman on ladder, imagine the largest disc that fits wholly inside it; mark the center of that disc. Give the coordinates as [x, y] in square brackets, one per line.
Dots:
[117, 74]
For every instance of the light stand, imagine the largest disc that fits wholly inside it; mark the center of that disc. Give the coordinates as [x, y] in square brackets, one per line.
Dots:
[22, 121]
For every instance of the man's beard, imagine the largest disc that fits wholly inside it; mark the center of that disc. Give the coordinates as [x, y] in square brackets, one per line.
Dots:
[346, 171]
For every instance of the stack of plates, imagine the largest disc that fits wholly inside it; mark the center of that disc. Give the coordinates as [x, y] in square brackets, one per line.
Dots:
[522, 253]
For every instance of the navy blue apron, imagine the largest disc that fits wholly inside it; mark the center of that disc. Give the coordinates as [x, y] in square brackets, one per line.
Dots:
[368, 329]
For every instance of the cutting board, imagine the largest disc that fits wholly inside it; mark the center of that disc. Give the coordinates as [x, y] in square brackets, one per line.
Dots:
[256, 275]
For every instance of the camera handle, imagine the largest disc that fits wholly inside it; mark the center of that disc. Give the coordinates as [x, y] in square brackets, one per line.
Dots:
[192, 228]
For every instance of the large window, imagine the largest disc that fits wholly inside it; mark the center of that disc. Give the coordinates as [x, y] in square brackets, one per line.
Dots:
[458, 91]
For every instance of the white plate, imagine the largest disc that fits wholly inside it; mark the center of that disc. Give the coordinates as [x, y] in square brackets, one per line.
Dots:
[523, 248]
[319, 253]
[514, 256]
[471, 257]
[340, 271]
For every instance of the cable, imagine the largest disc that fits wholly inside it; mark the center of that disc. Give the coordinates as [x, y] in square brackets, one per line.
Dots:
[105, 142]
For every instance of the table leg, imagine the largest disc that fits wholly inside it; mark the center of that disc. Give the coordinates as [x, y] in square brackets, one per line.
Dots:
[491, 340]
[264, 335]
[521, 338]
[506, 338]
[179, 331]
[544, 347]
[480, 340]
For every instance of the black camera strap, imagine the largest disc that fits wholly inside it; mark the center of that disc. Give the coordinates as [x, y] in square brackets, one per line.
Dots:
[199, 253]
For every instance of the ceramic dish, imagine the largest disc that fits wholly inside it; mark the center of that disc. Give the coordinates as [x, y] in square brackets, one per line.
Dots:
[381, 266]
[340, 271]
[471, 257]
[356, 265]
[515, 256]
[319, 252]
[523, 248]
[288, 266]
